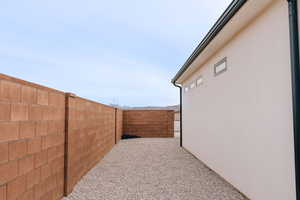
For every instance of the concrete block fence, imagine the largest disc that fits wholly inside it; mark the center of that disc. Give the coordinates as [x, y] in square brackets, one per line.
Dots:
[119, 124]
[91, 134]
[148, 123]
[32, 141]
[50, 139]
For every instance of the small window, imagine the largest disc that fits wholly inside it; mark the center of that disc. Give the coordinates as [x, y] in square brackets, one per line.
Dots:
[193, 85]
[221, 66]
[199, 81]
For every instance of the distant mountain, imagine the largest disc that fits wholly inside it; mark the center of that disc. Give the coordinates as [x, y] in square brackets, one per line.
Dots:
[175, 108]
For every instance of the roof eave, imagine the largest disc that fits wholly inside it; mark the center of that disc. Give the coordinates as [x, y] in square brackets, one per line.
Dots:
[230, 12]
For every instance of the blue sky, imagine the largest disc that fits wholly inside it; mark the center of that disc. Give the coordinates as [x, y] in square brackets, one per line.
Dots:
[121, 52]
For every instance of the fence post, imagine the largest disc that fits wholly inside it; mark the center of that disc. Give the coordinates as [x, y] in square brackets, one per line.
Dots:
[67, 97]
[116, 139]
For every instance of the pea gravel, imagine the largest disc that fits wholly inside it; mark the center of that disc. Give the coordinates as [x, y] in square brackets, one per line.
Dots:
[152, 169]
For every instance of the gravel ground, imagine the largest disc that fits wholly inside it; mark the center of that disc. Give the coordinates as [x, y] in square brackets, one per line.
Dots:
[152, 169]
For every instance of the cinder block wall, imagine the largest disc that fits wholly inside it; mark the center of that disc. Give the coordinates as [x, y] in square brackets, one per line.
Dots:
[149, 123]
[91, 134]
[32, 140]
[50, 139]
[119, 127]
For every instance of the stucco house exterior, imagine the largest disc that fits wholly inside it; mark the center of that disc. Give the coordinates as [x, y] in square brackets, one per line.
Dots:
[240, 99]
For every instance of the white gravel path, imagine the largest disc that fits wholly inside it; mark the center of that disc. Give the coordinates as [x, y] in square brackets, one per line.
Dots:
[152, 169]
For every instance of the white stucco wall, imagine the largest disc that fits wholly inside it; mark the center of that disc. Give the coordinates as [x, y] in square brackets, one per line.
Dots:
[240, 122]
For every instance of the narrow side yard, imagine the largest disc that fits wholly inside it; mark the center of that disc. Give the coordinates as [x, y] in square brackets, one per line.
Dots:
[152, 169]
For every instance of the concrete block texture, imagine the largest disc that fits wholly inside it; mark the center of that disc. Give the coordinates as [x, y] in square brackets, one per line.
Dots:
[31, 128]
[50, 139]
[149, 123]
[119, 124]
[91, 133]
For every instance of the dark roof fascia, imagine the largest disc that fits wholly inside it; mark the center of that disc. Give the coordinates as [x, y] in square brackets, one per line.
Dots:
[231, 10]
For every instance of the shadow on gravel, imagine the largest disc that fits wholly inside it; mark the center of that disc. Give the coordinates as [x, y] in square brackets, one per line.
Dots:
[125, 137]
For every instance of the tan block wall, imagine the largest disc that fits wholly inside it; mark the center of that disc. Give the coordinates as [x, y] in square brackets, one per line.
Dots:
[50, 139]
[31, 141]
[149, 123]
[119, 125]
[177, 116]
[91, 134]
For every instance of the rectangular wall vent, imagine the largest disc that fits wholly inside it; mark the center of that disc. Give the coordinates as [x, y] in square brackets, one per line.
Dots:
[199, 81]
[221, 66]
[193, 85]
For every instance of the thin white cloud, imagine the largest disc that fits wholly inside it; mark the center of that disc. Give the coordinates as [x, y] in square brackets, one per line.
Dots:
[106, 79]
[105, 75]
[173, 20]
